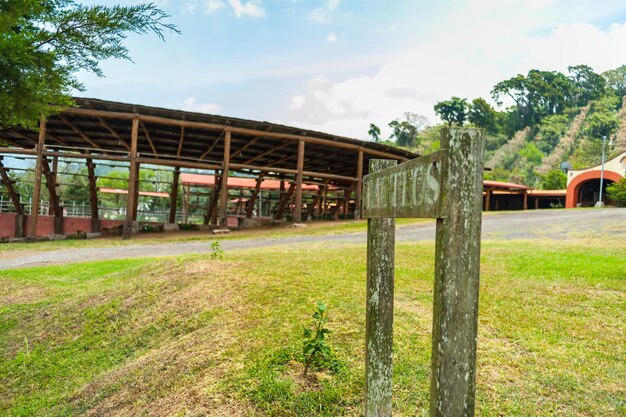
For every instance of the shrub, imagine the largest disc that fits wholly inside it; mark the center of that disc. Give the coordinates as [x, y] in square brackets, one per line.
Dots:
[152, 228]
[554, 180]
[187, 226]
[79, 235]
[617, 192]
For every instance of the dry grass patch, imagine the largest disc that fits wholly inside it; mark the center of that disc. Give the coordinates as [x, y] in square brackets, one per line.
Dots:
[178, 377]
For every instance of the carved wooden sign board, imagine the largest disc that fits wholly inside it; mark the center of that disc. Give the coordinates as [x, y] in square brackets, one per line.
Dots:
[412, 189]
[446, 185]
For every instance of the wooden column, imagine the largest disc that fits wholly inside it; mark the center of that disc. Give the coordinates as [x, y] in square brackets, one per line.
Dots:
[174, 195]
[311, 206]
[297, 207]
[283, 202]
[359, 186]
[525, 193]
[53, 179]
[37, 190]
[211, 211]
[457, 271]
[136, 206]
[488, 199]
[224, 191]
[8, 183]
[93, 195]
[379, 309]
[318, 205]
[132, 182]
[253, 197]
[55, 206]
[20, 218]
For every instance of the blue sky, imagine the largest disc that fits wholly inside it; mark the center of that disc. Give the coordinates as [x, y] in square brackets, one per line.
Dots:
[338, 65]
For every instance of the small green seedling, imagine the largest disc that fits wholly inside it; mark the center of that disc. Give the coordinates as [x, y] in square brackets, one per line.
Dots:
[315, 346]
[216, 250]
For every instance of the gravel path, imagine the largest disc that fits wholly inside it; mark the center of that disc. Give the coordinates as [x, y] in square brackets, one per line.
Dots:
[532, 224]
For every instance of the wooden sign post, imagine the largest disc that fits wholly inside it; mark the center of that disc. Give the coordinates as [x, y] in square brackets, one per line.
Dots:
[446, 185]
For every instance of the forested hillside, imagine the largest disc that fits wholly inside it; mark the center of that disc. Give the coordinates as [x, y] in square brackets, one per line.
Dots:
[542, 119]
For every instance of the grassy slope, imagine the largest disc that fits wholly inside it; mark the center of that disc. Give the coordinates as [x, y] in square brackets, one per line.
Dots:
[192, 336]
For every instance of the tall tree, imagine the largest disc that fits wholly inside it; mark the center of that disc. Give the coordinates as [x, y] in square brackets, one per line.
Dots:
[406, 130]
[44, 43]
[539, 94]
[481, 114]
[602, 119]
[374, 132]
[452, 111]
[616, 80]
[587, 85]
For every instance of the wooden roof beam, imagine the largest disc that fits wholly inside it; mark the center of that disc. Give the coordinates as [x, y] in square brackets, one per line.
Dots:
[23, 136]
[213, 145]
[113, 133]
[79, 132]
[261, 155]
[57, 139]
[181, 141]
[246, 146]
[147, 135]
[281, 160]
[235, 130]
[250, 143]
[11, 141]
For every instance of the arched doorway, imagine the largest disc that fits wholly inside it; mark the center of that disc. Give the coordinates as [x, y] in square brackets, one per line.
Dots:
[589, 193]
[584, 190]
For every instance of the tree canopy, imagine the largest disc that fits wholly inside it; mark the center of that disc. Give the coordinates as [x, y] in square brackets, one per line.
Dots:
[406, 130]
[452, 111]
[616, 80]
[374, 132]
[481, 114]
[44, 43]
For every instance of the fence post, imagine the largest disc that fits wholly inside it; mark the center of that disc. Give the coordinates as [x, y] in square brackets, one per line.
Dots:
[457, 270]
[379, 309]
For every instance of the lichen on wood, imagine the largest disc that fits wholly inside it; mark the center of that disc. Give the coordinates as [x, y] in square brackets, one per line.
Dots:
[379, 310]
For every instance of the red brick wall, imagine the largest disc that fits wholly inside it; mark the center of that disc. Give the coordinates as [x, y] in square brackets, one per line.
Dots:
[45, 225]
[74, 224]
[7, 224]
[109, 224]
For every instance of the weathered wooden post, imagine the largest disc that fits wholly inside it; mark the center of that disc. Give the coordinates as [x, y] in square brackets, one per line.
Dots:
[457, 272]
[446, 185]
[379, 309]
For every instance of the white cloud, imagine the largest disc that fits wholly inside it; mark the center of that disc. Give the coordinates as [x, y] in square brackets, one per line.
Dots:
[252, 8]
[324, 14]
[191, 104]
[475, 49]
[190, 6]
[331, 38]
[213, 6]
[297, 102]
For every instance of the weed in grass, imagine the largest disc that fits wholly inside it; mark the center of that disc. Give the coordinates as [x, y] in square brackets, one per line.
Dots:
[315, 349]
[216, 250]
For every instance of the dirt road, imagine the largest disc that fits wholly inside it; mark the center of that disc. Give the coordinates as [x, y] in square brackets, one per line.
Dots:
[532, 224]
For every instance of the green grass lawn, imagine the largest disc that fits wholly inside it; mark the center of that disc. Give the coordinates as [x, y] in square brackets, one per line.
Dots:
[192, 336]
